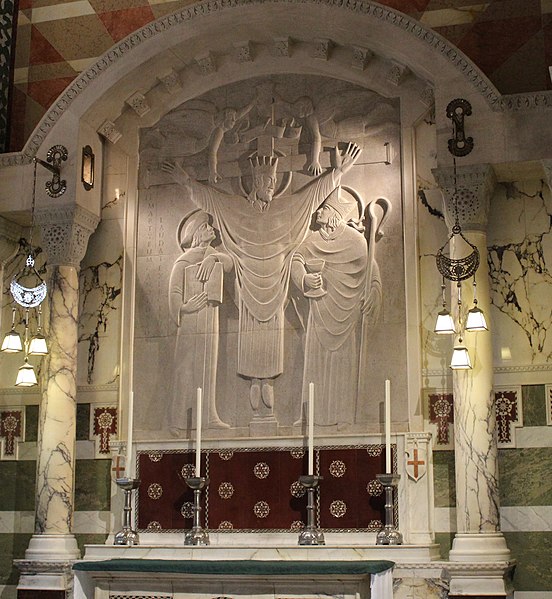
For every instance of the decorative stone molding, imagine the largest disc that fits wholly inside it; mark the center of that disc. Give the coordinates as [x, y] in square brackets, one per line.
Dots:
[322, 48]
[282, 46]
[366, 8]
[171, 82]
[361, 57]
[467, 192]
[65, 231]
[524, 102]
[206, 63]
[243, 51]
[110, 132]
[138, 103]
[397, 73]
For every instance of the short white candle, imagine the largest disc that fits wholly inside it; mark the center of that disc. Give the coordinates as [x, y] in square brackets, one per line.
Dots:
[129, 435]
[311, 429]
[387, 426]
[198, 434]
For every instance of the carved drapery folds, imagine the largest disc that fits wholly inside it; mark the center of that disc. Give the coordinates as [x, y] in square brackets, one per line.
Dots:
[65, 232]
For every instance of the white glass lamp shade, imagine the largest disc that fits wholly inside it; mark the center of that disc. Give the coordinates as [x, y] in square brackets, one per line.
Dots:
[460, 358]
[26, 376]
[38, 345]
[476, 320]
[444, 324]
[12, 342]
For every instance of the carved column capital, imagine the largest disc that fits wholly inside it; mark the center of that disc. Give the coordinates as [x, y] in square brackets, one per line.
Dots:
[474, 186]
[65, 231]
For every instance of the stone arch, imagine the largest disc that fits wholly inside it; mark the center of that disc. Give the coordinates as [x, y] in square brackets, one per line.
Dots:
[213, 40]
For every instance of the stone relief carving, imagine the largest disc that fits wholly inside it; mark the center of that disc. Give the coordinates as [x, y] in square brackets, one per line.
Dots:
[261, 166]
[195, 292]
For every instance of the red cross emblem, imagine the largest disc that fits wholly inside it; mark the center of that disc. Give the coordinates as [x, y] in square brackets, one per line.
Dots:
[415, 467]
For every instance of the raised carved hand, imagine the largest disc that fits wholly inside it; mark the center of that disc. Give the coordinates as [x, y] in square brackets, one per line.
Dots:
[194, 304]
[179, 175]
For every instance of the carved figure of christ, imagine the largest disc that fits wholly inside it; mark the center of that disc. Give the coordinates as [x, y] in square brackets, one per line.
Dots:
[261, 243]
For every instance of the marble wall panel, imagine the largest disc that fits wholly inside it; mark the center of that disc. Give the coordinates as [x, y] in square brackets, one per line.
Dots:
[443, 473]
[534, 405]
[520, 254]
[343, 112]
[92, 484]
[100, 305]
[532, 552]
[20, 493]
[31, 423]
[524, 476]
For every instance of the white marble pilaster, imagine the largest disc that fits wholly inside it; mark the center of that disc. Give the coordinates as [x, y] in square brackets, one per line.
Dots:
[65, 233]
[477, 502]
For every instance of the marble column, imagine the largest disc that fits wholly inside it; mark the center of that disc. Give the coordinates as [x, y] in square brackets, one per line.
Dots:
[478, 536]
[10, 233]
[64, 233]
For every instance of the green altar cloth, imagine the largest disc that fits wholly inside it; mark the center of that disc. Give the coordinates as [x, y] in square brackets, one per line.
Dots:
[237, 567]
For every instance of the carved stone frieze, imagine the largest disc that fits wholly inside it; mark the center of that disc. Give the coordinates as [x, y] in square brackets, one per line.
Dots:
[361, 57]
[110, 132]
[65, 231]
[466, 194]
[243, 51]
[206, 63]
[171, 82]
[368, 9]
[282, 46]
[322, 48]
[138, 103]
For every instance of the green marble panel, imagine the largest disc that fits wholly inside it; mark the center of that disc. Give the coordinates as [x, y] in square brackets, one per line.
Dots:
[83, 422]
[524, 476]
[532, 551]
[534, 405]
[12, 546]
[90, 539]
[444, 539]
[18, 491]
[31, 423]
[443, 479]
[93, 485]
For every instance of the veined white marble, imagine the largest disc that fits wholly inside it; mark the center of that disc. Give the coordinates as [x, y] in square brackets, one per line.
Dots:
[8, 591]
[534, 436]
[19, 522]
[84, 522]
[526, 518]
[333, 550]
[520, 518]
[57, 427]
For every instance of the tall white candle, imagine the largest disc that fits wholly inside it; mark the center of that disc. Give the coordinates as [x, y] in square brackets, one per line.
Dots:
[387, 426]
[130, 416]
[198, 434]
[311, 429]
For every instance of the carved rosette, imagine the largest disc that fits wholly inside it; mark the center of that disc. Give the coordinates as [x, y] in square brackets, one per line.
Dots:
[65, 231]
[361, 57]
[109, 131]
[282, 46]
[474, 186]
